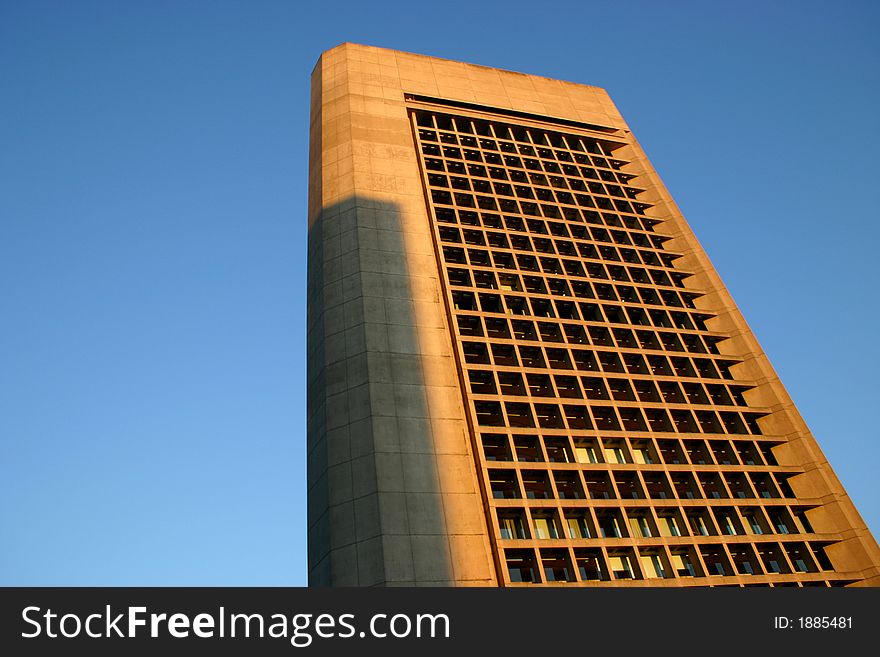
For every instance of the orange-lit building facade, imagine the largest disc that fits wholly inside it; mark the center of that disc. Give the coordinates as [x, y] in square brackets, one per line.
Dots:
[523, 369]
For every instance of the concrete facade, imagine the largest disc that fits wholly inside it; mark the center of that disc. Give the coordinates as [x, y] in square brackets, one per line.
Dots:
[404, 460]
[393, 496]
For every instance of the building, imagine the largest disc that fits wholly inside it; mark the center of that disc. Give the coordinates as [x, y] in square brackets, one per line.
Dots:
[523, 368]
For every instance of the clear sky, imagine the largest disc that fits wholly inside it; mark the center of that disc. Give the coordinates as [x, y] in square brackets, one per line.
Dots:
[153, 181]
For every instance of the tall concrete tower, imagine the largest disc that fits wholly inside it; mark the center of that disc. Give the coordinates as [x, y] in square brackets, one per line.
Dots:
[523, 369]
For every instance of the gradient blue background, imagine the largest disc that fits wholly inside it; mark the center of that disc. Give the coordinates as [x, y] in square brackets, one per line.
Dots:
[153, 181]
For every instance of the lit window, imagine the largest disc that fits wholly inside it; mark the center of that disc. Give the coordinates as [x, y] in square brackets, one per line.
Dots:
[682, 565]
[640, 527]
[670, 524]
[586, 454]
[545, 528]
[641, 455]
[614, 455]
[511, 527]
[620, 567]
[578, 528]
[652, 567]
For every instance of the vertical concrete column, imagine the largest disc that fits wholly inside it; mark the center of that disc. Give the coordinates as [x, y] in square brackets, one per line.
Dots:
[394, 498]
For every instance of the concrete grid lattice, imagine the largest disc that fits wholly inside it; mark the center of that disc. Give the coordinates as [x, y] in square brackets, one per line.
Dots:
[523, 369]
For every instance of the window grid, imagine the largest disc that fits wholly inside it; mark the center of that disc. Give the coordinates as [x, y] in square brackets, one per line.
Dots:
[611, 436]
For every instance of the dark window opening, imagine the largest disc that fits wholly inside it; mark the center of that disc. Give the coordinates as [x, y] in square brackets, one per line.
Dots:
[496, 447]
[482, 383]
[528, 450]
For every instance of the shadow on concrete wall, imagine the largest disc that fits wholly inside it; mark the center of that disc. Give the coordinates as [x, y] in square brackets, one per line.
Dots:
[375, 512]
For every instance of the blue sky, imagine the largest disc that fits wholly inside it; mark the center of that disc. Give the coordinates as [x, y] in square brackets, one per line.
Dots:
[153, 181]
